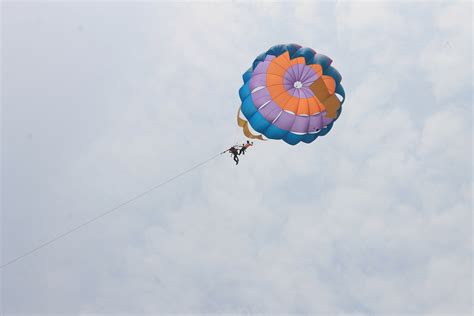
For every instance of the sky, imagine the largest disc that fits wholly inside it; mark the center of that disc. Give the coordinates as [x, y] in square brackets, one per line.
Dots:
[103, 100]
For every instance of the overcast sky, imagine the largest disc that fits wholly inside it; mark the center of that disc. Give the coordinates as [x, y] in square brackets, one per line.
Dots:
[102, 100]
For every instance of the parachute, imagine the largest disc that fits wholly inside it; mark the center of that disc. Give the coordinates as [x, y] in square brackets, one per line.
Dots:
[290, 93]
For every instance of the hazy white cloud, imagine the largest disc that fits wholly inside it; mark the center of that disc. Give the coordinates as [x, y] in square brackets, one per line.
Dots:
[449, 52]
[375, 218]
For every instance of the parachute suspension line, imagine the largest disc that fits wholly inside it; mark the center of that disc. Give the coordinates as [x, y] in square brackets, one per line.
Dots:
[115, 208]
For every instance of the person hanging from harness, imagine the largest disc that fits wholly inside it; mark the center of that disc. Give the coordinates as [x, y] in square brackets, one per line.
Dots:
[244, 147]
[235, 152]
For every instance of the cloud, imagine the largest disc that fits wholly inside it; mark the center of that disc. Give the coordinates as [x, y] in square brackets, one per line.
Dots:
[449, 53]
[375, 218]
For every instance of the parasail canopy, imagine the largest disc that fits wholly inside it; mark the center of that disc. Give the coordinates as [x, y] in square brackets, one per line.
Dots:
[290, 93]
